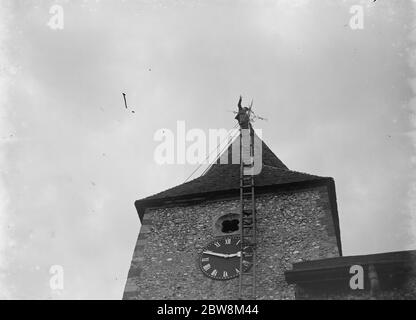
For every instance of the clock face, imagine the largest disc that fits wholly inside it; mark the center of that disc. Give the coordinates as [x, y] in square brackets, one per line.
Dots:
[220, 259]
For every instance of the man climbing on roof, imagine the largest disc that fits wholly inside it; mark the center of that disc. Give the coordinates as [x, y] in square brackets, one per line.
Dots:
[243, 115]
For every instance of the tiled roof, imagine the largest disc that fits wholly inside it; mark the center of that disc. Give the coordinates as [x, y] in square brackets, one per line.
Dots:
[225, 177]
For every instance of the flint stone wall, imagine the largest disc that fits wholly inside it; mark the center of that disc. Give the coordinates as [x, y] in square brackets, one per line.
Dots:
[292, 226]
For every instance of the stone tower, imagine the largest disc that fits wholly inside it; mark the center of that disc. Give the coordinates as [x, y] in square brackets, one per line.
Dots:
[297, 221]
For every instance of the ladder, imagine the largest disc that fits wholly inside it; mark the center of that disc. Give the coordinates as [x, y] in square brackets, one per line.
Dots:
[247, 276]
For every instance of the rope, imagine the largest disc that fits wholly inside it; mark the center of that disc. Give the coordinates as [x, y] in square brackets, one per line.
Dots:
[221, 151]
[200, 165]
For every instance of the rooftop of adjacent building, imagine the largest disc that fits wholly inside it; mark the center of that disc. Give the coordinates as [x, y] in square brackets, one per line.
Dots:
[338, 268]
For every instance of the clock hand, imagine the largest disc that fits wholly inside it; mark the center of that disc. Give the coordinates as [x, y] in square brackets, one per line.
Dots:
[238, 254]
[216, 254]
[222, 255]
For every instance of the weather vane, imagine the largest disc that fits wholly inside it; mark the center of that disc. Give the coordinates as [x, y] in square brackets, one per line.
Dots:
[244, 115]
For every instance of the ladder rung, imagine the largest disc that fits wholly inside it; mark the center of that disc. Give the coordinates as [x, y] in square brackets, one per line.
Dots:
[247, 165]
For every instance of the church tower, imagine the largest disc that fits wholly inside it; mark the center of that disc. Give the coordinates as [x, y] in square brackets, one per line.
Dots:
[188, 245]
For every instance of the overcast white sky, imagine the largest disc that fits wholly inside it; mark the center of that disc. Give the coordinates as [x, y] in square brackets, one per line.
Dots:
[74, 160]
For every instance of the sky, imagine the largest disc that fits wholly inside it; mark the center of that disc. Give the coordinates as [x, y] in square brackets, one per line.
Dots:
[339, 103]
